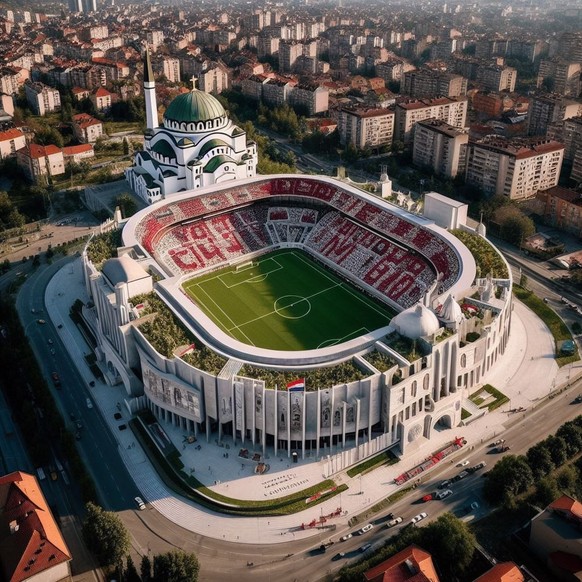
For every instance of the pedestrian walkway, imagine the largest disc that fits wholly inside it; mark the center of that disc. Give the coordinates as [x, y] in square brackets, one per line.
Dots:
[526, 373]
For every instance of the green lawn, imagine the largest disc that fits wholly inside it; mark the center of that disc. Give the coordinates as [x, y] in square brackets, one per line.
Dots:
[286, 301]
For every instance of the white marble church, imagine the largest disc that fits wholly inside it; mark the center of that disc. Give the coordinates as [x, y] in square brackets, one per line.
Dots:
[195, 147]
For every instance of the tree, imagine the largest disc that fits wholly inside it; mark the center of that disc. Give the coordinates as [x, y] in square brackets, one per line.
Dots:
[540, 460]
[450, 538]
[146, 568]
[106, 536]
[546, 491]
[176, 566]
[558, 449]
[510, 477]
[572, 436]
[130, 574]
[127, 204]
[515, 227]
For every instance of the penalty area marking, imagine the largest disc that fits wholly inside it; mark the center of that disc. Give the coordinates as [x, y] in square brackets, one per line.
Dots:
[338, 340]
[302, 304]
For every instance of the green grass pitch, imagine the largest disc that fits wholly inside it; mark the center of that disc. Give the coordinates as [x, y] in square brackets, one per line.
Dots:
[286, 301]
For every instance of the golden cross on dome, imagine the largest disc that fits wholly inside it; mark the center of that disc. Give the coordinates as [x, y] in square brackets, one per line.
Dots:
[194, 79]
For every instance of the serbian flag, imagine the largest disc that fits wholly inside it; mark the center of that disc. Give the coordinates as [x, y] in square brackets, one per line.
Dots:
[296, 386]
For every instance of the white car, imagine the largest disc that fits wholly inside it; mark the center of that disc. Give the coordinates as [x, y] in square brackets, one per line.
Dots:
[346, 537]
[366, 529]
[89, 403]
[463, 463]
[140, 503]
[444, 494]
[394, 522]
[419, 517]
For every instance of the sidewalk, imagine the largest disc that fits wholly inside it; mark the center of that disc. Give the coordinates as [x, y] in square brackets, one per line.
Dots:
[528, 358]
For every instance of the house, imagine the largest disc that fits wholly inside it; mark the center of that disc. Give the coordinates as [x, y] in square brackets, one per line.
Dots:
[38, 161]
[101, 98]
[11, 140]
[80, 93]
[77, 153]
[411, 564]
[504, 572]
[31, 544]
[556, 538]
[86, 128]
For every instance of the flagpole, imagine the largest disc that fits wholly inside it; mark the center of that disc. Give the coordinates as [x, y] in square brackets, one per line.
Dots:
[303, 412]
[288, 423]
[276, 421]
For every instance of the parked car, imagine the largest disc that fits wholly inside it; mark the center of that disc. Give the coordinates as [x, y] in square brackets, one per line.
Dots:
[462, 474]
[89, 403]
[365, 547]
[463, 463]
[428, 497]
[346, 537]
[497, 442]
[394, 522]
[338, 556]
[368, 527]
[41, 321]
[418, 518]
[444, 483]
[56, 379]
[578, 399]
[140, 503]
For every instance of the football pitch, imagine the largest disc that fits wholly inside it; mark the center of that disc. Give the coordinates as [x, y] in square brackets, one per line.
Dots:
[286, 301]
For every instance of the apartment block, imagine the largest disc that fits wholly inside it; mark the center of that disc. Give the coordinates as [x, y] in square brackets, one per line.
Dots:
[86, 128]
[276, 92]
[102, 99]
[451, 110]
[313, 98]
[428, 83]
[392, 70]
[548, 108]
[366, 128]
[559, 76]
[440, 146]
[214, 79]
[517, 168]
[169, 67]
[41, 162]
[289, 52]
[41, 98]
[497, 78]
[562, 208]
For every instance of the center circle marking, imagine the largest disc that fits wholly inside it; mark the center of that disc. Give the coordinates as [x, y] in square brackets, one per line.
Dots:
[292, 306]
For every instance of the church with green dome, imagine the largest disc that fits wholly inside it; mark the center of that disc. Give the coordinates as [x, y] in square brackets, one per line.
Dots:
[196, 146]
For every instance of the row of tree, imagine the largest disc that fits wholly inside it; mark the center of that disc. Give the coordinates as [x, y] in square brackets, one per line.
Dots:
[514, 475]
[109, 540]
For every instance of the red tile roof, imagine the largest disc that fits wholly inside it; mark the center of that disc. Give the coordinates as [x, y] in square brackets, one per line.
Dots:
[30, 541]
[569, 504]
[504, 572]
[10, 134]
[77, 149]
[37, 151]
[412, 564]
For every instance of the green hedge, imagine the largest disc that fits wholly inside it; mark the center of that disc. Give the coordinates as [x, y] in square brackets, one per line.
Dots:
[384, 458]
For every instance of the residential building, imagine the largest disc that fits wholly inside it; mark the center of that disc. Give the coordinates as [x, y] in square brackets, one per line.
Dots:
[366, 128]
[11, 79]
[215, 79]
[562, 208]
[276, 92]
[31, 545]
[516, 168]
[502, 572]
[497, 78]
[40, 162]
[87, 129]
[548, 108]
[392, 70]
[560, 76]
[411, 564]
[407, 113]
[41, 98]
[569, 132]
[429, 83]
[252, 87]
[78, 153]
[310, 97]
[102, 99]
[440, 146]
[556, 539]
[289, 52]
[10, 141]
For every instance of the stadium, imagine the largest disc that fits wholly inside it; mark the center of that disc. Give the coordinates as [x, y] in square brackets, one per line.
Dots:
[379, 317]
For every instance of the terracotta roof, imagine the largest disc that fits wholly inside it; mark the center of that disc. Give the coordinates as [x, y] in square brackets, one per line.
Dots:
[37, 151]
[562, 193]
[30, 541]
[569, 504]
[412, 564]
[504, 572]
[77, 149]
[10, 134]
[101, 92]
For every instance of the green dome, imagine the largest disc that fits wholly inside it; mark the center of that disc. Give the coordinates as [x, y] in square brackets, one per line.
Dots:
[194, 106]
